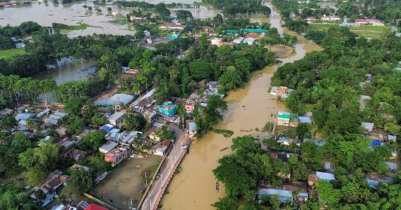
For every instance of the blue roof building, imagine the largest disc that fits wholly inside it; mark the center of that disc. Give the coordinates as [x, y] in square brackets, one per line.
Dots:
[167, 109]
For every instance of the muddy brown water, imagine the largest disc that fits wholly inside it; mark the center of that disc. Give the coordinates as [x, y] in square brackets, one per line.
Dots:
[249, 108]
[46, 13]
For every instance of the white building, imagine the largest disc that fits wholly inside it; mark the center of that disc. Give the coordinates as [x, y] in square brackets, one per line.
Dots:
[116, 119]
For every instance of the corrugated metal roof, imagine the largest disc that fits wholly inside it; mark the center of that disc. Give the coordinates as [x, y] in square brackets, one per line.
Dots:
[325, 176]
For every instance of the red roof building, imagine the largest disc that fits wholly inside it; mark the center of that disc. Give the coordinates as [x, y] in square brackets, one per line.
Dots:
[95, 207]
[116, 155]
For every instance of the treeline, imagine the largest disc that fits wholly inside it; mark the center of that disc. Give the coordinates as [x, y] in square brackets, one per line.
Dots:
[46, 48]
[241, 7]
[350, 190]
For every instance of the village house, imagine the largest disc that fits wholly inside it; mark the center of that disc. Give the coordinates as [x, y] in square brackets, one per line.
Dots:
[117, 101]
[367, 127]
[364, 102]
[216, 41]
[43, 113]
[172, 26]
[191, 129]
[317, 175]
[238, 40]
[83, 134]
[95, 207]
[107, 128]
[150, 116]
[285, 140]
[125, 76]
[52, 183]
[310, 19]
[116, 155]
[78, 166]
[374, 179]
[66, 144]
[54, 118]
[113, 135]
[281, 91]
[167, 109]
[189, 106]
[107, 147]
[127, 138]
[161, 148]
[299, 191]
[5, 112]
[249, 41]
[116, 119]
[61, 130]
[75, 154]
[392, 166]
[283, 118]
[329, 166]
[330, 18]
[364, 21]
[305, 119]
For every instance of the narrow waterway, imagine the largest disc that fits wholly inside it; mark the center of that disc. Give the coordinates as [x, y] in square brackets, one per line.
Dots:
[249, 108]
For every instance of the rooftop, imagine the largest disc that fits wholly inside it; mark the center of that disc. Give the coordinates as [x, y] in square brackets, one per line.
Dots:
[116, 116]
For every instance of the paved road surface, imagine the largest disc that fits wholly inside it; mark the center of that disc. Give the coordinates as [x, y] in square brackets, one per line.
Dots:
[166, 172]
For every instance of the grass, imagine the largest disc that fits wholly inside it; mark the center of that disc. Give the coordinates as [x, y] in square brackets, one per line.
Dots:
[321, 27]
[374, 32]
[81, 26]
[11, 52]
[151, 171]
[226, 133]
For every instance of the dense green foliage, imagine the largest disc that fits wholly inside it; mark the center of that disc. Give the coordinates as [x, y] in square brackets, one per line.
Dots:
[337, 73]
[12, 198]
[234, 7]
[250, 165]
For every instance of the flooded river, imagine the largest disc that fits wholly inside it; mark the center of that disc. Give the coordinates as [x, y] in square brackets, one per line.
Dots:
[249, 108]
[45, 13]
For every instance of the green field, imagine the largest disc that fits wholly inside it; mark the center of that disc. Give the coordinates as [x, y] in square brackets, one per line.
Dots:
[321, 27]
[81, 26]
[374, 32]
[11, 52]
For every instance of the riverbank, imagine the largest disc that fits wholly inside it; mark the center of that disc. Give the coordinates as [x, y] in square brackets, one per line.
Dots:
[249, 108]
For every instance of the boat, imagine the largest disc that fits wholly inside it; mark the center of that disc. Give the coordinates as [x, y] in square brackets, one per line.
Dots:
[223, 149]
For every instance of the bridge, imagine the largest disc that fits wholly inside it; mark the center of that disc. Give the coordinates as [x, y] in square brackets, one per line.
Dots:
[158, 186]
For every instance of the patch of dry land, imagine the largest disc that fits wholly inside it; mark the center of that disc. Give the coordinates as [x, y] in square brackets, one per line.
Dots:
[126, 181]
[281, 51]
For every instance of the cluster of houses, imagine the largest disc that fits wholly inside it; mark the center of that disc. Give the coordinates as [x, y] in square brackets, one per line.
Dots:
[299, 192]
[252, 37]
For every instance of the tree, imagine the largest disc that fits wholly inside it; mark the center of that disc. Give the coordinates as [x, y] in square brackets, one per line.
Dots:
[79, 181]
[39, 162]
[231, 79]
[134, 121]
[98, 120]
[90, 8]
[92, 141]
[327, 193]
[303, 130]
[109, 9]
[226, 203]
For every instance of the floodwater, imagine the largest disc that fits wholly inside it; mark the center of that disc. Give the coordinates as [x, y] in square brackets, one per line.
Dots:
[71, 14]
[45, 13]
[249, 108]
[74, 71]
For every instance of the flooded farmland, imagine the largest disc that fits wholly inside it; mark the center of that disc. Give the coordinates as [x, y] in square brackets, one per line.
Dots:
[248, 109]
